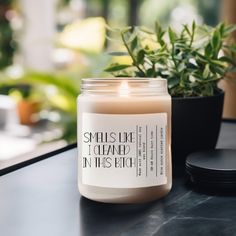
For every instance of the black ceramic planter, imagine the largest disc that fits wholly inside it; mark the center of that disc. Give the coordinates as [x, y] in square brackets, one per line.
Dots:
[195, 124]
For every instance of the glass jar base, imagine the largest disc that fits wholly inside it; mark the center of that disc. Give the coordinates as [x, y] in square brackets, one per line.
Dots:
[124, 196]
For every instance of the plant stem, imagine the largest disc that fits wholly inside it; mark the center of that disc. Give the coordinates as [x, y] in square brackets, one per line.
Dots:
[173, 57]
[210, 80]
[192, 38]
[131, 54]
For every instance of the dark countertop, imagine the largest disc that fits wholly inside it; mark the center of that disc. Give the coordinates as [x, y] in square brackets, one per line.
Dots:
[42, 199]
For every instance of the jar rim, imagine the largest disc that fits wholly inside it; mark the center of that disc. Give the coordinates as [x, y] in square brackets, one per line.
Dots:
[136, 85]
[119, 79]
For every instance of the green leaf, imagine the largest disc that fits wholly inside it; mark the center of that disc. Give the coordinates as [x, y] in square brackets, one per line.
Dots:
[139, 74]
[163, 48]
[217, 70]
[118, 54]
[150, 72]
[217, 63]
[208, 50]
[206, 72]
[173, 82]
[193, 26]
[181, 66]
[227, 59]
[187, 29]
[116, 67]
[229, 29]
[123, 75]
[216, 41]
[140, 56]
[131, 36]
[221, 27]
[159, 33]
[134, 43]
[171, 35]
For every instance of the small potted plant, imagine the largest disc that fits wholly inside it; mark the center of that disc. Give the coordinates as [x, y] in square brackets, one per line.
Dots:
[193, 63]
[27, 106]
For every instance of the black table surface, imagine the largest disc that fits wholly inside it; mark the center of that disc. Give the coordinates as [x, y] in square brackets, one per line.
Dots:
[42, 199]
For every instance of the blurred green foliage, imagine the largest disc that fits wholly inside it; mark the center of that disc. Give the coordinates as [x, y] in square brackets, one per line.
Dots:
[7, 44]
[57, 91]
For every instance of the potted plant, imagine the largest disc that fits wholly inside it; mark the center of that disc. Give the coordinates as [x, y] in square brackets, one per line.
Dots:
[27, 106]
[193, 63]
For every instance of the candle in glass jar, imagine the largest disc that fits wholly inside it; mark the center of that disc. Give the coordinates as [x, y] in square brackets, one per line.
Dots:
[124, 139]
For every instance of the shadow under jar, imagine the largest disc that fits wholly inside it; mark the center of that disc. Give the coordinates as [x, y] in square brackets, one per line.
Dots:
[124, 140]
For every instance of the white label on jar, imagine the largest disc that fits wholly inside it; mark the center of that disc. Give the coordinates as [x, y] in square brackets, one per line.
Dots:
[124, 151]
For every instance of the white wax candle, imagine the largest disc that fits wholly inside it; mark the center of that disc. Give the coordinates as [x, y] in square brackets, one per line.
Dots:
[124, 140]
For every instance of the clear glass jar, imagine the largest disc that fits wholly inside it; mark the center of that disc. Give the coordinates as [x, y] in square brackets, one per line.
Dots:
[124, 139]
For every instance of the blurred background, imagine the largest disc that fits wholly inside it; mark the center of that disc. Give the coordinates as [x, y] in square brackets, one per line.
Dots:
[47, 46]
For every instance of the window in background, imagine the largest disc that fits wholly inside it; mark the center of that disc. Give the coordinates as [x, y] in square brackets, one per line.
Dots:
[61, 42]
